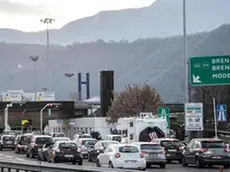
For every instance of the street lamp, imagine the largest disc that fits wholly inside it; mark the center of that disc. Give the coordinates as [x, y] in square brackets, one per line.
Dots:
[48, 21]
[41, 113]
[6, 115]
[34, 59]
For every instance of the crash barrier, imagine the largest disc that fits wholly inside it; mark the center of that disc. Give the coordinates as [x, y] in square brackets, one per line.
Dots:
[34, 166]
[224, 134]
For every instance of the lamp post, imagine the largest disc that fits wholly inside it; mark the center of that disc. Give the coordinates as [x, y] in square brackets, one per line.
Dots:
[6, 115]
[48, 21]
[34, 60]
[41, 113]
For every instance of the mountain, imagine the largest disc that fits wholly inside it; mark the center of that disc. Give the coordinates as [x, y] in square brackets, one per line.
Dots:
[164, 18]
[158, 62]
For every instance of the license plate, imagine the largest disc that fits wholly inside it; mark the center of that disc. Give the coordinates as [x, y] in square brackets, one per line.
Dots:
[130, 161]
[216, 157]
[172, 150]
[9, 142]
[68, 156]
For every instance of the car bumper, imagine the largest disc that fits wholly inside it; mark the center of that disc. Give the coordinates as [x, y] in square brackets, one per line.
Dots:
[141, 164]
[171, 156]
[156, 161]
[68, 158]
[84, 154]
[210, 161]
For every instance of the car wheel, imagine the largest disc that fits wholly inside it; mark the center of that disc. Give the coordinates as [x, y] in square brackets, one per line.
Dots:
[198, 165]
[0, 147]
[180, 161]
[162, 165]
[142, 169]
[226, 166]
[74, 162]
[19, 151]
[32, 154]
[13, 148]
[80, 162]
[54, 160]
[27, 154]
[39, 158]
[110, 164]
[98, 163]
[184, 162]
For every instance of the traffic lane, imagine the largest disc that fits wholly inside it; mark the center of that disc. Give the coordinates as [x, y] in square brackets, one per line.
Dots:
[22, 157]
[172, 167]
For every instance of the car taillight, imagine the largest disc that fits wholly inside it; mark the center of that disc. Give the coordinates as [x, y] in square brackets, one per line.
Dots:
[142, 155]
[203, 150]
[163, 148]
[181, 147]
[227, 150]
[34, 145]
[79, 149]
[117, 155]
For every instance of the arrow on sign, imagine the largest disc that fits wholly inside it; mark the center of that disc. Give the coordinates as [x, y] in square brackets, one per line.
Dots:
[196, 79]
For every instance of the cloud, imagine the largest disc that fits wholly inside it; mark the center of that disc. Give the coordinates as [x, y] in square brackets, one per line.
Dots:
[7, 6]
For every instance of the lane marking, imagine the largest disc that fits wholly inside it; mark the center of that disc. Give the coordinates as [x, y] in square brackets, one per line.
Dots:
[20, 159]
[9, 156]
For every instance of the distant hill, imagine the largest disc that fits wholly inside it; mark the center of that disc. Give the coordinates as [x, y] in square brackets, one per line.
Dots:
[155, 61]
[162, 19]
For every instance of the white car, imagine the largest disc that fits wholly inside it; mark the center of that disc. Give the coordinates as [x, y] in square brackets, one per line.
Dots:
[122, 156]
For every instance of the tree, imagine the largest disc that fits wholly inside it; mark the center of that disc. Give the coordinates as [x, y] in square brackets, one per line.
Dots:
[132, 101]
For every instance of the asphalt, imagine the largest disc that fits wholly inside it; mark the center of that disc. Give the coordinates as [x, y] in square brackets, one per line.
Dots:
[173, 167]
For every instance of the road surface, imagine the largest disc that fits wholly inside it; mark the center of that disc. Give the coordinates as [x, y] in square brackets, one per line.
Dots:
[173, 167]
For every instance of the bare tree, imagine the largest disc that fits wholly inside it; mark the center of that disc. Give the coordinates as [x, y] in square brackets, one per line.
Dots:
[132, 101]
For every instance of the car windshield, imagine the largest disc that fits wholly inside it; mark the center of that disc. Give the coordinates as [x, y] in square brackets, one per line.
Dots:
[117, 138]
[89, 143]
[43, 140]
[128, 149]
[67, 145]
[106, 144]
[168, 143]
[150, 147]
[24, 140]
[58, 135]
[84, 136]
[213, 144]
[61, 139]
[7, 138]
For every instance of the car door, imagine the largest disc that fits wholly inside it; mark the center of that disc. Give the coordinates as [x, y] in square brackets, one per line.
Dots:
[94, 152]
[195, 149]
[104, 157]
[187, 152]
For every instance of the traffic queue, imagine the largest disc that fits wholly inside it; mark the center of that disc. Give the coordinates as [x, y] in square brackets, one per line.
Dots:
[112, 152]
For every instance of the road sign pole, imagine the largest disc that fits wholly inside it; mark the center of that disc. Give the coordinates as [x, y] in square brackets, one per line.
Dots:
[214, 112]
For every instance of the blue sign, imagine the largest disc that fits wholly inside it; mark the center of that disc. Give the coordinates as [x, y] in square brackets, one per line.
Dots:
[221, 112]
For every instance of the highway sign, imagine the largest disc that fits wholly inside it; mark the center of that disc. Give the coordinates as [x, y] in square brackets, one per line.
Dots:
[210, 70]
[193, 116]
[165, 113]
[221, 114]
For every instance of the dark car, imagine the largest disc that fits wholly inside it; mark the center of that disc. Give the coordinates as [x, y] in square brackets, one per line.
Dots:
[37, 142]
[43, 153]
[65, 151]
[99, 147]
[7, 141]
[172, 147]
[21, 143]
[206, 152]
[85, 145]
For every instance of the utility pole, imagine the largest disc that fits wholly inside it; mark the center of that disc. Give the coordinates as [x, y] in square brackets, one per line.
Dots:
[34, 60]
[48, 21]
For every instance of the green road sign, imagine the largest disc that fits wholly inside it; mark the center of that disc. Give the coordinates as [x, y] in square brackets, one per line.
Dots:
[210, 70]
[164, 112]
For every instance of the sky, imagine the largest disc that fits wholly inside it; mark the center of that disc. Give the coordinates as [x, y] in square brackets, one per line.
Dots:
[25, 15]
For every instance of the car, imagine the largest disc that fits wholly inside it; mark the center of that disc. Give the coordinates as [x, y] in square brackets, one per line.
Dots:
[206, 151]
[172, 147]
[113, 137]
[21, 143]
[85, 145]
[43, 153]
[37, 142]
[7, 141]
[55, 139]
[122, 156]
[65, 151]
[81, 136]
[99, 147]
[153, 153]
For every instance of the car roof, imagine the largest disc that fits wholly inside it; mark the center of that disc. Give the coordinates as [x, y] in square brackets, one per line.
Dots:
[109, 141]
[61, 141]
[114, 135]
[139, 143]
[40, 136]
[167, 139]
[61, 138]
[122, 144]
[8, 135]
[207, 139]
[86, 139]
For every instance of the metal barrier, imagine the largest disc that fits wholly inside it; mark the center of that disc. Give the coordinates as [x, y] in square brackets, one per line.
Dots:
[34, 166]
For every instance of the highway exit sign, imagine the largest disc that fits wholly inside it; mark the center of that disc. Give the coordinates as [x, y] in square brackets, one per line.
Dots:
[165, 113]
[210, 70]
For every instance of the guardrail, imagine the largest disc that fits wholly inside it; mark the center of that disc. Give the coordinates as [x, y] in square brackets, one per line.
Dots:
[34, 166]
[225, 134]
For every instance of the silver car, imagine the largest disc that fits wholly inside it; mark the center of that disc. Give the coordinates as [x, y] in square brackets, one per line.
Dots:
[153, 153]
